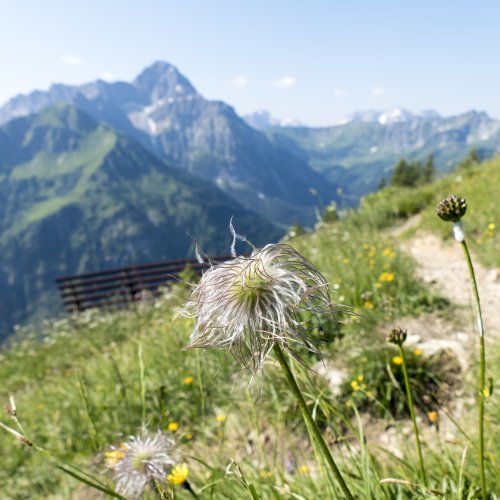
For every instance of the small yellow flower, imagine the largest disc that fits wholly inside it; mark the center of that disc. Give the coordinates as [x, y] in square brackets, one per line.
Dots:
[378, 285]
[188, 380]
[113, 457]
[360, 378]
[265, 473]
[178, 475]
[486, 392]
[397, 360]
[386, 277]
[348, 403]
[345, 260]
[189, 436]
[172, 426]
[304, 470]
[363, 386]
[220, 418]
[368, 305]
[366, 246]
[355, 385]
[433, 416]
[389, 252]
[417, 352]
[491, 226]
[370, 394]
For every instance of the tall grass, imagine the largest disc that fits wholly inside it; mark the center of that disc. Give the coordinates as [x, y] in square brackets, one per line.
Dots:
[89, 382]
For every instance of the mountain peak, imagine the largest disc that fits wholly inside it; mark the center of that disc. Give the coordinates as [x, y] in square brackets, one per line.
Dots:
[162, 80]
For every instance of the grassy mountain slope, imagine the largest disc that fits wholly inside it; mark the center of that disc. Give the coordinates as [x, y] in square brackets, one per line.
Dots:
[76, 196]
[80, 390]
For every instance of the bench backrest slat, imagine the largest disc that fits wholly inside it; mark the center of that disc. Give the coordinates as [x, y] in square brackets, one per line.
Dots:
[119, 286]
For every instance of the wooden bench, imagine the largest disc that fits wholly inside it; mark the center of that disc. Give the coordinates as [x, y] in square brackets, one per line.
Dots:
[120, 286]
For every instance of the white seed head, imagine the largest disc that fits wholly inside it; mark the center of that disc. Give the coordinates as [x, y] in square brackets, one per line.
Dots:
[146, 458]
[249, 304]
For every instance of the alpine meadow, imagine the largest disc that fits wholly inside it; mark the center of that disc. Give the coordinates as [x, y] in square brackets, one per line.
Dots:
[293, 296]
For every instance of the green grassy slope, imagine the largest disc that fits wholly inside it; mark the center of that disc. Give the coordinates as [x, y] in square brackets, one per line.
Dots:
[478, 184]
[81, 388]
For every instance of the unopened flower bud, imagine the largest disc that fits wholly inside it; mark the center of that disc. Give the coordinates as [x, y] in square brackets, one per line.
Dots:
[451, 209]
[397, 336]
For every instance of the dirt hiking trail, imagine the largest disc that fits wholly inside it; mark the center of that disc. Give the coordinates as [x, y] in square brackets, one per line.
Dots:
[442, 265]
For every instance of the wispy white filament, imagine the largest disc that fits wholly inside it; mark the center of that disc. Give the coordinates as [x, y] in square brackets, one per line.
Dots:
[147, 458]
[250, 303]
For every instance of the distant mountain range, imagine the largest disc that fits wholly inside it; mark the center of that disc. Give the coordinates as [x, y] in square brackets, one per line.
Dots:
[162, 111]
[364, 147]
[104, 174]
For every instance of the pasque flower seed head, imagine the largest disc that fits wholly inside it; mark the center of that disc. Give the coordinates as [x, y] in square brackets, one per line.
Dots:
[249, 304]
[141, 460]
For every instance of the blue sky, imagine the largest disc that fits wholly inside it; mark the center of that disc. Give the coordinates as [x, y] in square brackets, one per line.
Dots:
[314, 61]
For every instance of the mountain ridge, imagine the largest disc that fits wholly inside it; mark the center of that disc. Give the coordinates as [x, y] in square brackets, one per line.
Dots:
[162, 110]
[77, 196]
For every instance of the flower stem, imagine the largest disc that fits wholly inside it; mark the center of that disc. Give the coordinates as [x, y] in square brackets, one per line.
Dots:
[482, 361]
[310, 420]
[412, 413]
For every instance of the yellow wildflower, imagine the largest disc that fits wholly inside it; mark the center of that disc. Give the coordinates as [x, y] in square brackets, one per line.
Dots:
[491, 226]
[360, 378]
[178, 475]
[172, 426]
[378, 285]
[345, 260]
[368, 305]
[189, 436]
[388, 252]
[417, 352]
[355, 385]
[220, 419]
[433, 416]
[304, 469]
[363, 386]
[265, 473]
[486, 392]
[188, 380]
[386, 277]
[370, 394]
[397, 360]
[114, 456]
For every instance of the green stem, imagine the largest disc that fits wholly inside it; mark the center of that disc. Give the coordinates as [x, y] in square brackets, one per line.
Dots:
[482, 361]
[310, 420]
[412, 413]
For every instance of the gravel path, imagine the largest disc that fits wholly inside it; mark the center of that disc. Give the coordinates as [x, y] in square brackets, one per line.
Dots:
[443, 265]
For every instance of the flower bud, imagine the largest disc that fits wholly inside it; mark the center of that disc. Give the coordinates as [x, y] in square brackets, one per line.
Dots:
[397, 336]
[451, 209]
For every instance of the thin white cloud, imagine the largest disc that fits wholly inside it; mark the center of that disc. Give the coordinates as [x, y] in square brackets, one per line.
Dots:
[107, 76]
[378, 91]
[71, 60]
[285, 82]
[240, 81]
[340, 93]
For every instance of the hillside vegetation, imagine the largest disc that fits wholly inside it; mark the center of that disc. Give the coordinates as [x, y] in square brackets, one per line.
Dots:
[92, 380]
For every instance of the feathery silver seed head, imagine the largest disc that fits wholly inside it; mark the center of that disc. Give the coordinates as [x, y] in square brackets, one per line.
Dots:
[249, 304]
[141, 460]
